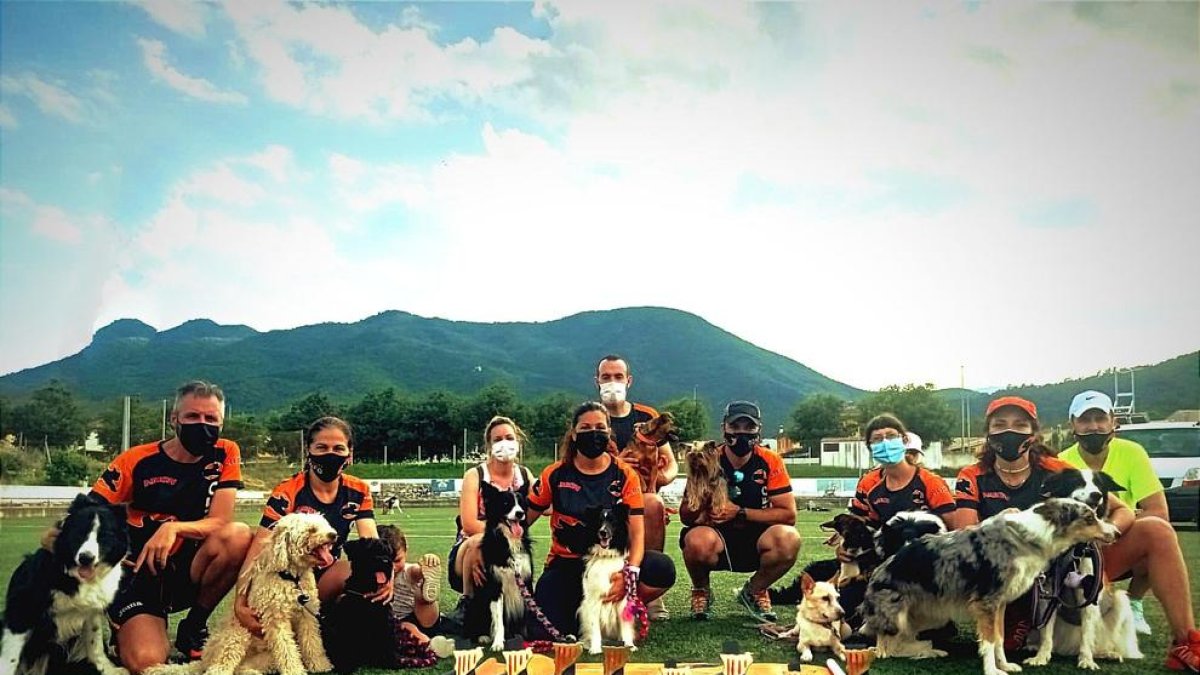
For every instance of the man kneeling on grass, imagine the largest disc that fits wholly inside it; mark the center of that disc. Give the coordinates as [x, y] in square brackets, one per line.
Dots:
[756, 531]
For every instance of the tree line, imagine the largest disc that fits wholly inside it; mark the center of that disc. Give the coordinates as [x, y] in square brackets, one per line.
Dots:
[402, 422]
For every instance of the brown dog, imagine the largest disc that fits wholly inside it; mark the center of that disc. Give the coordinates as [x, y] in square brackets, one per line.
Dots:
[645, 447]
[706, 489]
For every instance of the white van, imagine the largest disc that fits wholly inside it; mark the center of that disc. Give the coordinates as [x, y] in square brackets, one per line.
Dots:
[1174, 447]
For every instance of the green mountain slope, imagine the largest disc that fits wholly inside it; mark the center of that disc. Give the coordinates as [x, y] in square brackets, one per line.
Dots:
[1161, 389]
[673, 354]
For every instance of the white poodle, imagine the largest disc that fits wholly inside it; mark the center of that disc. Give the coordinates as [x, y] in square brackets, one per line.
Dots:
[282, 590]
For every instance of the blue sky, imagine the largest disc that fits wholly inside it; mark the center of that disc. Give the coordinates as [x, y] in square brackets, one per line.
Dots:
[906, 188]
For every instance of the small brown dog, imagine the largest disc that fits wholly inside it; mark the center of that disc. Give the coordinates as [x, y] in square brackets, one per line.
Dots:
[706, 489]
[645, 446]
[818, 620]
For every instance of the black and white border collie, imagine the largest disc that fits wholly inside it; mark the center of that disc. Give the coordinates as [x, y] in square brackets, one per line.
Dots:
[55, 609]
[977, 571]
[497, 608]
[608, 544]
[904, 527]
[1101, 630]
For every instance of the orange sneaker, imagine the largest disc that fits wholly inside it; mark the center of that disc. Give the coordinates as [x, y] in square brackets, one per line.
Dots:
[1185, 655]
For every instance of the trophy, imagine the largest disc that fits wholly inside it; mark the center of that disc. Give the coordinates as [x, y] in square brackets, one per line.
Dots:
[615, 658]
[466, 658]
[516, 656]
[565, 656]
[733, 660]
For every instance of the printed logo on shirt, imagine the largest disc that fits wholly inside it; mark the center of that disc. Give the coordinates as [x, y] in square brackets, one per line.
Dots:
[160, 480]
[350, 510]
[964, 485]
[568, 485]
[111, 478]
[212, 471]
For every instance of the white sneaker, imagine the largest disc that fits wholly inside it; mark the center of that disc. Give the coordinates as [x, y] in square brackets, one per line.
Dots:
[657, 611]
[1139, 618]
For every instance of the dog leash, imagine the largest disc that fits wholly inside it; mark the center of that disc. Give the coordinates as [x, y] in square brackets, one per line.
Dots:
[635, 609]
[301, 596]
[1064, 573]
[538, 614]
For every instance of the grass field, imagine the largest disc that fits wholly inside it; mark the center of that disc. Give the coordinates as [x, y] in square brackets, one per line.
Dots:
[431, 530]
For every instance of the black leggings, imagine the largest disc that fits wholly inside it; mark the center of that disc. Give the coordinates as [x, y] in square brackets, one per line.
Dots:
[559, 590]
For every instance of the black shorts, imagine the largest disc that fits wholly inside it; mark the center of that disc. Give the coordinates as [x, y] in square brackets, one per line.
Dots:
[171, 590]
[456, 580]
[741, 546]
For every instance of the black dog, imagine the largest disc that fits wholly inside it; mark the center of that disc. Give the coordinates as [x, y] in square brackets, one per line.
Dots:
[855, 536]
[497, 608]
[55, 611]
[359, 633]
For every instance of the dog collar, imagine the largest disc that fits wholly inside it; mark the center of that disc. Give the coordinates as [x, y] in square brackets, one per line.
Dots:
[288, 576]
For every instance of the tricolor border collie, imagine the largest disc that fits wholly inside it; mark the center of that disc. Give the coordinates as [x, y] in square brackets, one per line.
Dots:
[978, 570]
[1105, 628]
[55, 609]
[608, 544]
[497, 608]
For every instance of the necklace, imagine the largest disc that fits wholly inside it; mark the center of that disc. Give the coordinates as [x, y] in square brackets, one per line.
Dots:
[1012, 471]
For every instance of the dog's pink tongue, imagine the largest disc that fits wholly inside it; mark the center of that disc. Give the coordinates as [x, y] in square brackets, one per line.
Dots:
[324, 555]
[85, 573]
[517, 530]
[380, 578]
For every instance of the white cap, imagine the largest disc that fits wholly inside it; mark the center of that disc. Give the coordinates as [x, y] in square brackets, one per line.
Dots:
[913, 442]
[1088, 400]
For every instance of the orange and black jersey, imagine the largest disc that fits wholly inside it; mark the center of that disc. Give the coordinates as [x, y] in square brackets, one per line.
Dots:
[983, 491]
[925, 492]
[294, 495]
[572, 492]
[762, 476]
[158, 489]
[622, 427]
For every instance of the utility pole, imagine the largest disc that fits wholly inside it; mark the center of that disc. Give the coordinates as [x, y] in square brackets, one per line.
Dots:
[125, 428]
[164, 421]
[385, 454]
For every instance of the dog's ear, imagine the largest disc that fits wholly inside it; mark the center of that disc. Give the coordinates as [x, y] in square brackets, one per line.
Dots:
[1106, 482]
[1051, 484]
[81, 501]
[488, 490]
[276, 556]
[806, 583]
[354, 547]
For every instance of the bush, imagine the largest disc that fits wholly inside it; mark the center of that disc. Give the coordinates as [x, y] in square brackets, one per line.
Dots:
[68, 468]
[19, 466]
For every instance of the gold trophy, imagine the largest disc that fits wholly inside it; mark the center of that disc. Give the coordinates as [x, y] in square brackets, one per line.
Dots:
[615, 658]
[858, 661]
[565, 656]
[516, 656]
[465, 660]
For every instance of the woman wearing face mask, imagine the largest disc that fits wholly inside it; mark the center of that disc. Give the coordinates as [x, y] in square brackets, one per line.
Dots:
[503, 439]
[322, 487]
[899, 484]
[588, 477]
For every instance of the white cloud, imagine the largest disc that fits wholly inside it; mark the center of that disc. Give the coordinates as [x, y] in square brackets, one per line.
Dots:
[323, 60]
[7, 119]
[54, 223]
[186, 17]
[51, 98]
[154, 56]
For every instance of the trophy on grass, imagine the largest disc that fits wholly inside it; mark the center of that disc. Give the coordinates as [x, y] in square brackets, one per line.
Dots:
[616, 655]
[733, 660]
[565, 656]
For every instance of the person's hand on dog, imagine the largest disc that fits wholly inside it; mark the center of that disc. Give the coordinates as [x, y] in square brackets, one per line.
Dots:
[156, 551]
[477, 575]
[724, 514]
[383, 594]
[616, 592]
[246, 616]
[49, 537]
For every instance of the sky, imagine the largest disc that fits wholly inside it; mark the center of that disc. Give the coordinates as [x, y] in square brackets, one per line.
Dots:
[885, 192]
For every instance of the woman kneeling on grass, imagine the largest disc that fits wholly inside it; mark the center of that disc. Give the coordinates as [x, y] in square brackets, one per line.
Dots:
[589, 476]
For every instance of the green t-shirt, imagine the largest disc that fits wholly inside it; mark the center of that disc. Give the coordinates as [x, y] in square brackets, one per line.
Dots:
[1128, 464]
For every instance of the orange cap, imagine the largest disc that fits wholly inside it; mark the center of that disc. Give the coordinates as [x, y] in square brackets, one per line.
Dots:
[1017, 401]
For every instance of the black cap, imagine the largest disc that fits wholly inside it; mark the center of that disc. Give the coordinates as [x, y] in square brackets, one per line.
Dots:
[738, 409]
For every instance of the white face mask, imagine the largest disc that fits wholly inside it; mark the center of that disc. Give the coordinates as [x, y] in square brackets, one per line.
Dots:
[612, 392]
[505, 451]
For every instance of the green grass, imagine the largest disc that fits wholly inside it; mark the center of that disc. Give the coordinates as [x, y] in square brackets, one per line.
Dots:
[431, 530]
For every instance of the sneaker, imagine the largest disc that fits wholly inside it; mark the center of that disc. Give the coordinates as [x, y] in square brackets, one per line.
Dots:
[1139, 617]
[758, 604]
[657, 611]
[431, 572]
[190, 639]
[1186, 655]
[701, 602]
[441, 645]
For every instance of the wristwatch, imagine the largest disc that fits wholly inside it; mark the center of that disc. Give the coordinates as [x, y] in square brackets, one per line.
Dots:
[741, 515]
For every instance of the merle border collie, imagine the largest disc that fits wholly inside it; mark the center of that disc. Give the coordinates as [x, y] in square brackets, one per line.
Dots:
[55, 609]
[497, 608]
[608, 544]
[977, 570]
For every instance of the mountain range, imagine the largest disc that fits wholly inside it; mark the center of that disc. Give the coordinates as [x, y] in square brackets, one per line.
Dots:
[673, 354]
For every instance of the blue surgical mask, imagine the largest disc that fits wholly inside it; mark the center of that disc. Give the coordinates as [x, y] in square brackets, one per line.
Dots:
[888, 451]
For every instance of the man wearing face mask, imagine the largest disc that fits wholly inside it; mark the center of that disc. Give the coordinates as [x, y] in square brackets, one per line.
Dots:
[1098, 448]
[185, 549]
[614, 379]
[756, 531]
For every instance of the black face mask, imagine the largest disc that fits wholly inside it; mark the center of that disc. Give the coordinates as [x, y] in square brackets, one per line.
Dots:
[741, 443]
[1093, 443]
[590, 444]
[1009, 445]
[329, 466]
[198, 438]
